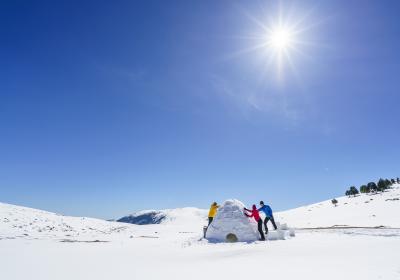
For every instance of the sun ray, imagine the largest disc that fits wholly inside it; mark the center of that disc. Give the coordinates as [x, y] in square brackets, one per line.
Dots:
[251, 49]
[279, 40]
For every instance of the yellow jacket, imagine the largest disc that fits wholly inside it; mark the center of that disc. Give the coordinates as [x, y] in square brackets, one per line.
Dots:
[213, 211]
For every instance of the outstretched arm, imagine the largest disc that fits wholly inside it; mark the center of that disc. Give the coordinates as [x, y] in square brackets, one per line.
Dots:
[248, 214]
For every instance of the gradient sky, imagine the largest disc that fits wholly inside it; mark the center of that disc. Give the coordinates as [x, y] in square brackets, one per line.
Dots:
[108, 107]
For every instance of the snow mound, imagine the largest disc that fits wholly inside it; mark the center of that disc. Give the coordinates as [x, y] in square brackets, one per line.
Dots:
[283, 232]
[230, 220]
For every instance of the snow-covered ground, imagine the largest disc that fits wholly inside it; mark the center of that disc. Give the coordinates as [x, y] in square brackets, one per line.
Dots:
[18, 222]
[364, 210]
[36, 244]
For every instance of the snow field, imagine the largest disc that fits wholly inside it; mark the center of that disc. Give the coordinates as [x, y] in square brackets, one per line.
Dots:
[40, 245]
[311, 255]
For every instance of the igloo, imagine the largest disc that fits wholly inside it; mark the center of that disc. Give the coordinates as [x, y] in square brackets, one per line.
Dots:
[230, 224]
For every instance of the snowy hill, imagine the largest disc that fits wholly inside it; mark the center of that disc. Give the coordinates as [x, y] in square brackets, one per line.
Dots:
[178, 216]
[17, 221]
[364, 210]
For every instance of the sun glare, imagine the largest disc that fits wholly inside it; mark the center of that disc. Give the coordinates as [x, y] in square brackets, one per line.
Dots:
[280, 39]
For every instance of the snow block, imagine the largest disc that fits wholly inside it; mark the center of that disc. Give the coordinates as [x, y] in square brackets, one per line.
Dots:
[278, 235]
[283, 227]
[281, 234]
[231, 225]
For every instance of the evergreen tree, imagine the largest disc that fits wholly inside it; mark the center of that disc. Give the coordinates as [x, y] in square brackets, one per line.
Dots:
[392, 181]
[334, 201]
[365, 189]
[372, 186]
[398, 180]
[352, 191]
[381, 185]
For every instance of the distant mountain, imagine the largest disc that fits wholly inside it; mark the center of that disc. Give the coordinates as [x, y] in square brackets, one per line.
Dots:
[167, 216]
[144, 218]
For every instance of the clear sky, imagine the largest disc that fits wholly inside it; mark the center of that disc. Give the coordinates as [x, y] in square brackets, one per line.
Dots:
[108, 107]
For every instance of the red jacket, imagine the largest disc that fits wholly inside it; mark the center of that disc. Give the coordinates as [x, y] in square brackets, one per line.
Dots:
[254, 214]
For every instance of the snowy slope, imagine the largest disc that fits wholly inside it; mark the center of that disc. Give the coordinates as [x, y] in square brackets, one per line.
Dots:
[364, 210]
[17, 221]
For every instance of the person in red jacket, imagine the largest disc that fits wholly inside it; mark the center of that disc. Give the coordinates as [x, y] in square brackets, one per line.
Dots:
[256, 216]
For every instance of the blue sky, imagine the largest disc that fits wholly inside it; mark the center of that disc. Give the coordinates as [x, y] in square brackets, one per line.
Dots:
[107, 107]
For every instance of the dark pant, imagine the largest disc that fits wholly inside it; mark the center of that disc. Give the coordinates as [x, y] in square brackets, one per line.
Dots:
[272, 221]
[210, 219]
[260, 229]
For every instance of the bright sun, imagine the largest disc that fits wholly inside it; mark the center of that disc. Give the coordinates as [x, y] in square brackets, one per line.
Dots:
[280, 39]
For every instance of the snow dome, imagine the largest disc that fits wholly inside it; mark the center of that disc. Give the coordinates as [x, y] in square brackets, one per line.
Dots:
[230, 224]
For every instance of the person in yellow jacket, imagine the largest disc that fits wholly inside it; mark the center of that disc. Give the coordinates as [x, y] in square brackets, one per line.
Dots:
[212, 212]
